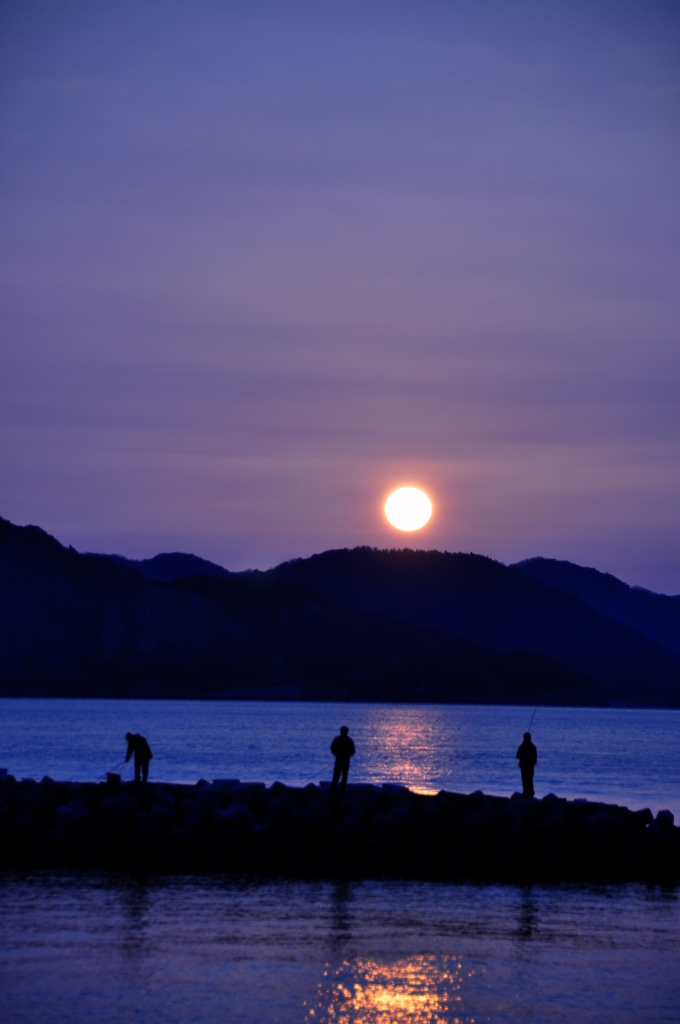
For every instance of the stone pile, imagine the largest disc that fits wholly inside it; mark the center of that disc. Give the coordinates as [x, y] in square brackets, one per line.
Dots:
[371, 831]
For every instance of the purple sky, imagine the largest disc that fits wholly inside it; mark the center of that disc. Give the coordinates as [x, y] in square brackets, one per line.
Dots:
[263, 262]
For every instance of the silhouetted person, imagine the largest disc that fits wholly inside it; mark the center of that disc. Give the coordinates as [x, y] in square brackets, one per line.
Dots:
[138, 746]
[343, 748]
[527, 758]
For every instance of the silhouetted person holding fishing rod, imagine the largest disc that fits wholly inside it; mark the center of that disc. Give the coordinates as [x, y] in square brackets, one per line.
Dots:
[342, 748]
[138, 746]
[527, 757]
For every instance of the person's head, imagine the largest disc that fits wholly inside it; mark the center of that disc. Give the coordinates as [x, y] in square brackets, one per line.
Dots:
[527, 736]
[128, 735]
[343, 730]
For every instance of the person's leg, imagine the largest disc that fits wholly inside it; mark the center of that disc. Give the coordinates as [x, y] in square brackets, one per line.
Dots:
[336, 776]
[137, 768]
[525, 782]
[145, 770]
[343, 784]
[531, 782]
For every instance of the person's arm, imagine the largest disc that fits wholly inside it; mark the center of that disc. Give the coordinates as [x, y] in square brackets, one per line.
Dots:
[130, 750]
[352, 748]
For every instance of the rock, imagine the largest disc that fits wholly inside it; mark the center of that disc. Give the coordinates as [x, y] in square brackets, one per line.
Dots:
[478, 806]
[195, 809]
[397, 819]
[642, 818]
[317, 812]
[162, 816]
[72, 813]
[664, 821]
[371, 831]
[162, 797]
[120, 807]
[234, 814]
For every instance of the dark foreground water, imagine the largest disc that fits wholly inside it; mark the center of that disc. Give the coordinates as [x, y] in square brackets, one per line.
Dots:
[96, 948]
[99, 949]
[620, 756]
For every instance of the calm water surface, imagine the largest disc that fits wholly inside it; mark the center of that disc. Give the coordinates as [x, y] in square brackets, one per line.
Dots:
[622, 756]
[96, 948]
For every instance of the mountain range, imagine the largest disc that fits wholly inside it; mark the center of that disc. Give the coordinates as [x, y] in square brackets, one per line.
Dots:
[654, 615]
[358, 624]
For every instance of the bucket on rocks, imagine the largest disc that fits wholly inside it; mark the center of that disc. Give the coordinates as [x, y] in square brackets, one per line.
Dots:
[112, 779]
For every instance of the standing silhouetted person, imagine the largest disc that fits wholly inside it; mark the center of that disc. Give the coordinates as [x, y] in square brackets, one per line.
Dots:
[138, 746]
[343, 748]
[527, 758]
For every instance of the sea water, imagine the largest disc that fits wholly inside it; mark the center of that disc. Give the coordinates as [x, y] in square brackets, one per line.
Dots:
[623, 756]
[81, 948]
[95, 946]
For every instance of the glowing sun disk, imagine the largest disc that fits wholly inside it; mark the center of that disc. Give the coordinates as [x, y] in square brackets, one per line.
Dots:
[408, 508]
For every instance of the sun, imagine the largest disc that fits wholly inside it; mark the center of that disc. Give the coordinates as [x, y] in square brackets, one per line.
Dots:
[408, 509]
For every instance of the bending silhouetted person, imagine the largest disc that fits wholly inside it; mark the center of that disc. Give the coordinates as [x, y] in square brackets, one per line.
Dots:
[138, 746]
[527, 757]
[343, 748]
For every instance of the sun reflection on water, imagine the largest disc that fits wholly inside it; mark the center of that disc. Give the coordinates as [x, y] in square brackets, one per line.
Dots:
[406, 746]
[421, 990]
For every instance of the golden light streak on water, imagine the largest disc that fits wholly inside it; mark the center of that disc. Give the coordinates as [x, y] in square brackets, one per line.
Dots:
[420, 990]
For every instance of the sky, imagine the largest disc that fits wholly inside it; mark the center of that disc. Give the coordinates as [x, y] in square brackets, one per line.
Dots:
[261, 263]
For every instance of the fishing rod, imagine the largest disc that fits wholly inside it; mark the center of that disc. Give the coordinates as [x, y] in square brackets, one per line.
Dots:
[532, 717]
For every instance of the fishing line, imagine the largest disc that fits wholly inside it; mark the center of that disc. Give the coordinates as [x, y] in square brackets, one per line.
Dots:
[119, 765]
[315, 772]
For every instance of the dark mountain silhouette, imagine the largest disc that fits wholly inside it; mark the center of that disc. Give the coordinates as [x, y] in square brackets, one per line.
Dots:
[89, 625]
[365, 656]
[655, 615]
[171, 566]
[498, 606]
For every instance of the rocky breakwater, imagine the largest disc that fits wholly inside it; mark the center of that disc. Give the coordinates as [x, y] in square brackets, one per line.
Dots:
[371, 831]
